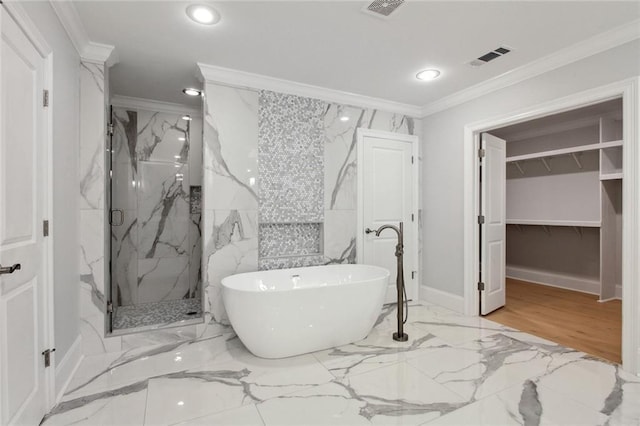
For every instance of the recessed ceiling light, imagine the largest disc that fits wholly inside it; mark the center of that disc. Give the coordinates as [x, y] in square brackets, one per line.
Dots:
[186, 117]
[203, 14]
[426, 75]
[344, 118]
[190, 91]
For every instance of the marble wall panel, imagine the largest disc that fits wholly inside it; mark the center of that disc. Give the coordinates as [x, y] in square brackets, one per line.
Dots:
[230, 247]
[230, 147]
[162, 137]
[162, 279]
[163, 209]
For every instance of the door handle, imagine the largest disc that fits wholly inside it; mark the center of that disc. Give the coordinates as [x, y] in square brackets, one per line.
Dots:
[9, 269]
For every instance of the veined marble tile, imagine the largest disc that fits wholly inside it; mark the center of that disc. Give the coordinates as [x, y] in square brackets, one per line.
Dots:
[340, 236]
[215, 387]
[247, 415]
[124, 258]
[92, 326]
[163, 210]
[162, 137]
[397, 394]
[600, 385]
[163, 279]
[92, 254]
[195, 256]
[125, 134]
[92, 135]
[524, 404]
[121, 409]
[124, 186]
[377, 350]
[230, 148]
[231, 247]
[489, 365]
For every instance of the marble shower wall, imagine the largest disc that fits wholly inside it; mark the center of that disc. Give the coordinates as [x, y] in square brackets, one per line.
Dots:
[92, 205]
[229, 194]
[153, 247]
[280, 182]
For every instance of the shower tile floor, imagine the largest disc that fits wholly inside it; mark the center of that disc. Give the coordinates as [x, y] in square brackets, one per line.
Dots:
[157, 313]
[454, 370]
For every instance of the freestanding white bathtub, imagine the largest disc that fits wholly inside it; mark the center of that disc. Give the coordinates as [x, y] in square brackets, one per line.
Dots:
[288, 312]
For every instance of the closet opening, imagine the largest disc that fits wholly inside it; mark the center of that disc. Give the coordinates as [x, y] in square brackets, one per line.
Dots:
[551, 227]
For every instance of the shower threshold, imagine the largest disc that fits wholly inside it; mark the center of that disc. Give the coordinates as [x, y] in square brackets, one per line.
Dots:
[150, 316]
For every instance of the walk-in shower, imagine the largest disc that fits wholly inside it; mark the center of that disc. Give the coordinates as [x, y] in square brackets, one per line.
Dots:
[155, 181]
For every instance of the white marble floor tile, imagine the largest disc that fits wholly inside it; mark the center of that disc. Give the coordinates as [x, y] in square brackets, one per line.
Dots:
[525, 404]
[484, 367]
[397, 394]
[600, 385]
[121, 410]
[247, 415]
[377, 350]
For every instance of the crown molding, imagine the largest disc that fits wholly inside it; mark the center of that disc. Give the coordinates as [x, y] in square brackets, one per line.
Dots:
[17, 12]
[153, 105]
[231, 77]
[585, 48]
[88, 50]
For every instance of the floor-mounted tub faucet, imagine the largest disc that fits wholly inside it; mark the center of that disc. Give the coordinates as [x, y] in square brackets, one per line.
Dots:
[400, 335]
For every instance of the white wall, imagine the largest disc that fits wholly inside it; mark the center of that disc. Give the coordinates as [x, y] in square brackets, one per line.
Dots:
[443, 138]
[65, 107]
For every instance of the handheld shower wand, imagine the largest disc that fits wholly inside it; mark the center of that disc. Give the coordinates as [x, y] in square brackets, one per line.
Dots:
[400, 335]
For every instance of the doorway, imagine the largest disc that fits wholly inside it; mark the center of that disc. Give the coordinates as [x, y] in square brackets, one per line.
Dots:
[591, 211]
[388, 194]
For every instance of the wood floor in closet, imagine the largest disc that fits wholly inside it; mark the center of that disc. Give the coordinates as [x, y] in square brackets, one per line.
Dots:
[570, 318]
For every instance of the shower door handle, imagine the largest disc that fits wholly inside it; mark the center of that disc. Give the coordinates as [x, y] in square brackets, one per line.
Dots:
[112, 215]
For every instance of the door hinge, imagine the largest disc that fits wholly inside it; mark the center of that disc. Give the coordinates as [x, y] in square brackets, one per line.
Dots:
[110, 129]
[481, 153]
[412, 159]
[412, 217]
[413, 274]
[45, 98]
[47, 357]
[109, 307]
[45, 228]
[480, 286]
[481, 220]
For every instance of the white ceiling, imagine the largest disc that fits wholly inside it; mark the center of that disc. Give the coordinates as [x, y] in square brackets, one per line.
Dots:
[333, 44]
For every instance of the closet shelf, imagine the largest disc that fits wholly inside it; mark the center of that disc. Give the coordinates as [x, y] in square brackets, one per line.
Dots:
[611, 176]
[574, 223]
[564, 151]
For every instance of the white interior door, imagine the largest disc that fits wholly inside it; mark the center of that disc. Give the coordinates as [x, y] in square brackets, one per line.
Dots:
[387, 198]
[22, 173]
[493, 231]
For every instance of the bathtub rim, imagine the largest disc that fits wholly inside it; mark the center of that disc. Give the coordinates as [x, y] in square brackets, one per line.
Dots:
[386, 274]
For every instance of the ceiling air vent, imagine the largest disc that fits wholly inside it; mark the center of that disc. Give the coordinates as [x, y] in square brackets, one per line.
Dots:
[383, 8]
[490, 56]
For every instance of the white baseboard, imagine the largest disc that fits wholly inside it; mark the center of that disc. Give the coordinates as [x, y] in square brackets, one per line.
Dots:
[67, 367]
[442, 298]
[618, 292]
[567, 282]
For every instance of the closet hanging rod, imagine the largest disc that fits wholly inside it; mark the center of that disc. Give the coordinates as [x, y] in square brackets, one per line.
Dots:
[564, 151]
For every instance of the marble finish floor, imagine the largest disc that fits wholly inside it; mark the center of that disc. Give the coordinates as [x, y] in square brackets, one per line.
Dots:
[148, 314]
[454, 370]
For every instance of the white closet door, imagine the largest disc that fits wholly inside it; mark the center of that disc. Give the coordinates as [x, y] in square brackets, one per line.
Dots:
[493, 239]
